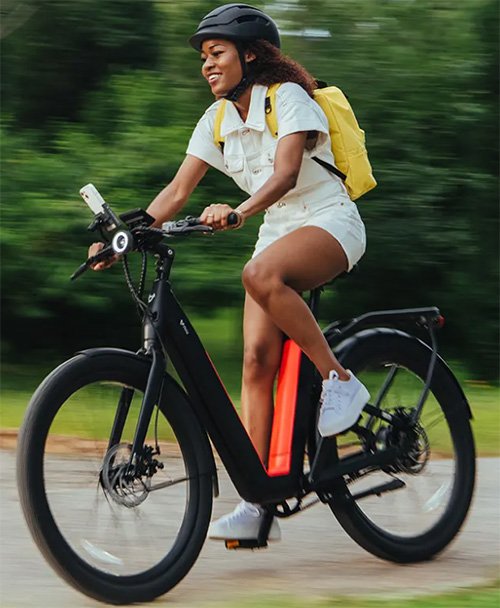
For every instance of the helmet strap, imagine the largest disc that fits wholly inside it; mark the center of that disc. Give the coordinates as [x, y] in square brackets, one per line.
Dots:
[243, 84]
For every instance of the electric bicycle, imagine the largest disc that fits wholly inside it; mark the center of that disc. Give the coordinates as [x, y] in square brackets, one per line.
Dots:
[116, 472]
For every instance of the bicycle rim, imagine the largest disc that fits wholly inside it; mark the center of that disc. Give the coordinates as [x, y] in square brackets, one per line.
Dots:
[430, 468]
[117, 526]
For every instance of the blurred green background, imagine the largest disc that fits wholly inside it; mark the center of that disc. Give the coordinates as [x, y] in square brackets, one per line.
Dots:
[108, 92]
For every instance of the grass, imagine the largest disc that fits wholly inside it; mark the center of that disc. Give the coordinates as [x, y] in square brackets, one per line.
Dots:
[484, 402]
[486, 596]
[222, 336]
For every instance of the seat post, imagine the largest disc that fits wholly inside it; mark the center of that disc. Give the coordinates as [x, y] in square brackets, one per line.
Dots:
[313, 303]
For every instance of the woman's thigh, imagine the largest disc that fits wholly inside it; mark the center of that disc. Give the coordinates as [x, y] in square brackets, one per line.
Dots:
[304, 259]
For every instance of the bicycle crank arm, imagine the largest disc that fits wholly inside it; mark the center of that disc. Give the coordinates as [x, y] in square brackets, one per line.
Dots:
[390, 486]
[253, 543]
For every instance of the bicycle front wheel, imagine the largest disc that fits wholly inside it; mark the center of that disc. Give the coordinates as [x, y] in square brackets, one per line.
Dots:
[434, 472]
[117, 537]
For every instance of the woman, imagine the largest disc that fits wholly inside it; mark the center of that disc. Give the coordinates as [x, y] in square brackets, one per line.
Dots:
[311, 232]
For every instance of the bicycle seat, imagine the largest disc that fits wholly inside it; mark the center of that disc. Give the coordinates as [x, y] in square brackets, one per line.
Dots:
[342, 275]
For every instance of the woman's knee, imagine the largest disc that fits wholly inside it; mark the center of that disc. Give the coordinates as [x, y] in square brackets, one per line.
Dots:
[260, 280]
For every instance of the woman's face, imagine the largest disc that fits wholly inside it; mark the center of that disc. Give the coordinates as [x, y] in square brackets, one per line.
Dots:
[221, 65]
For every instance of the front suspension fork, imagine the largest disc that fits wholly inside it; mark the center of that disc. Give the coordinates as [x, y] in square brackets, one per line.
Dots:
[150, 399]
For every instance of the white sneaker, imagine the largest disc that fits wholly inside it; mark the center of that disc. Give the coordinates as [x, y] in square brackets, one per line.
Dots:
[242, 524]
[342, 401]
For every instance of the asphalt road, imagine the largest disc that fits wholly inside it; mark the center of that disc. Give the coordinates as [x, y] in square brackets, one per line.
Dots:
[314, 559]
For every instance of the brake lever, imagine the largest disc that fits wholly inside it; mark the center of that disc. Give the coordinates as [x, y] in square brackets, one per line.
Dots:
[185, 227]
[98, 257]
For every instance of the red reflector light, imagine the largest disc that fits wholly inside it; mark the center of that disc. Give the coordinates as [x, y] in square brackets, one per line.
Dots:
[440, 321]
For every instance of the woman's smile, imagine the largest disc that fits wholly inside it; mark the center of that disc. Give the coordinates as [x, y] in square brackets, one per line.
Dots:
[214, 78]
[221, 65]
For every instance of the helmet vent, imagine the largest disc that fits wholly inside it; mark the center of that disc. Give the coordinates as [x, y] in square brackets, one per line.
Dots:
[245, 18]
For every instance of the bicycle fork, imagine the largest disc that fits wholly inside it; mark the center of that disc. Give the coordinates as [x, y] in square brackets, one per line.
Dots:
[153, 321]
[150, 399]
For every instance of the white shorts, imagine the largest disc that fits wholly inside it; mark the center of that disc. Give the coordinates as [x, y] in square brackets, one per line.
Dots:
[338, 215]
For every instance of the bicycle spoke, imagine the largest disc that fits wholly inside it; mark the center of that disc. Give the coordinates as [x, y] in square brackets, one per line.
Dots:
[168, 484]
[428, 477]
[105, 525]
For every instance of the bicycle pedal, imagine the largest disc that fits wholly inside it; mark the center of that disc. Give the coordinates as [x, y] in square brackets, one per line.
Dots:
[244, 543]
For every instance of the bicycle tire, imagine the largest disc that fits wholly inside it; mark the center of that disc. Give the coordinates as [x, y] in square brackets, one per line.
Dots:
[387, 347]
[97, 580]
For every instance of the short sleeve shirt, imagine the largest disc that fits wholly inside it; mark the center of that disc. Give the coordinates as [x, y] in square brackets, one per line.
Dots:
[250, 148]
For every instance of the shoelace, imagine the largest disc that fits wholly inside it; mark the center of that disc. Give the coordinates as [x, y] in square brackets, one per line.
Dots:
[331, 397]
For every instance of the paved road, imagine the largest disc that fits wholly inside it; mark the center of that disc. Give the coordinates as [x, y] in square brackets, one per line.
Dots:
[314, 559]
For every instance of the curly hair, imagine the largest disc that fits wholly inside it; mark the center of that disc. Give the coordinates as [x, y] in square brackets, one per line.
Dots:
[271, 65]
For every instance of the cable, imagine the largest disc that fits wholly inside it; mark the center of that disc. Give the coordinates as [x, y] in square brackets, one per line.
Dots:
[141, 305]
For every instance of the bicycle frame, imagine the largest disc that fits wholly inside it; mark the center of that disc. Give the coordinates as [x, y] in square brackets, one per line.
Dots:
[213, 405]
[166, 324]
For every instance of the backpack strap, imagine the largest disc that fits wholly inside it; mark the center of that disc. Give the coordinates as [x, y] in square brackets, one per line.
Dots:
[219, 116]
[270, 109]
[330, 168]
[272, 123]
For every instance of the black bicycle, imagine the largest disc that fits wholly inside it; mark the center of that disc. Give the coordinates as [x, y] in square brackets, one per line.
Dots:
[115, 469]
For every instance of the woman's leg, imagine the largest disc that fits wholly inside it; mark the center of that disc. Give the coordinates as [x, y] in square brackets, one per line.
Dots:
[299, 261]
[261, 359]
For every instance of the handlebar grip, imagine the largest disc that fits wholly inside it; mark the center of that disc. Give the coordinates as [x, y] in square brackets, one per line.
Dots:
[98, 257]
[232, 219]
[80, 270]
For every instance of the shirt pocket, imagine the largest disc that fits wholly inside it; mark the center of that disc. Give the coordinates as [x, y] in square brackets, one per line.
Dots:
[261, 167]
[233, 164]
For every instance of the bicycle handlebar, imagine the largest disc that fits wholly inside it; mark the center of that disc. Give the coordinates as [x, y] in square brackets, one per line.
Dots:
[193, 224]
[135, 236]
[105, 253]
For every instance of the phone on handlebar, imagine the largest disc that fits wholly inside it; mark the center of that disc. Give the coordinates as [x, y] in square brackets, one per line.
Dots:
[105, 219]
[131, 230]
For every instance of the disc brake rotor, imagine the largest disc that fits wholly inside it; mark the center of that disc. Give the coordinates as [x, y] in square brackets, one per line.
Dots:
[122, 485]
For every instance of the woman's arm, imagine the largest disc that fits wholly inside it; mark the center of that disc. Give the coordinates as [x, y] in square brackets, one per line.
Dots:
[170, 200]
[174, 196]
[287, 162]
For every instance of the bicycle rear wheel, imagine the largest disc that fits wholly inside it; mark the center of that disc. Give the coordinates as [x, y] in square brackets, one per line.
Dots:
[117, 538]
[437, 462]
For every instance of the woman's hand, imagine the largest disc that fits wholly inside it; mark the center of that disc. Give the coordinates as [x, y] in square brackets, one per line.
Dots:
[216, 216]
[93, 250]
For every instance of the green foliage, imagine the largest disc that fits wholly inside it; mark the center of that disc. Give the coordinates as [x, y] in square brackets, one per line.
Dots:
[421, 76]
[61, 50]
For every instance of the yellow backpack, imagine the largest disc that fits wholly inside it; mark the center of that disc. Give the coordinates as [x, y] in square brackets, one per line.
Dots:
[348, 139]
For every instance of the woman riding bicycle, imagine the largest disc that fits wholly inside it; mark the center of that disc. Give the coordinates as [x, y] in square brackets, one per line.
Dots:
[311, 232]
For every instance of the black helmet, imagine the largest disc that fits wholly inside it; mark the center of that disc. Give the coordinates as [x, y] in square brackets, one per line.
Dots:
[238, 23]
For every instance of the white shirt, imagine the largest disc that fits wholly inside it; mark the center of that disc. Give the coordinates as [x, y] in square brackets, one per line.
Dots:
[250, 147]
